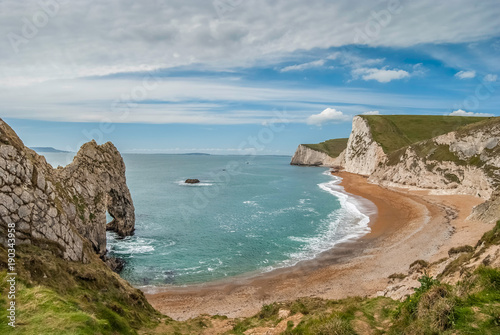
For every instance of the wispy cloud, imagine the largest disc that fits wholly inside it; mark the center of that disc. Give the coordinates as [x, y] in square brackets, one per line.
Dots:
[61, 73]
[383, 75]
[372, 113]
[461, 112]
[193, 100]
[490, 77]
[304, 66]
[465, 74]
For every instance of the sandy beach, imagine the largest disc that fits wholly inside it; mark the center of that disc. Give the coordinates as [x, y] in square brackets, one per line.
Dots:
[408, 225]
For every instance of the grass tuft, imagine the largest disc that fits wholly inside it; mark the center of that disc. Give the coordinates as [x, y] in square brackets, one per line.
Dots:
[461, 249]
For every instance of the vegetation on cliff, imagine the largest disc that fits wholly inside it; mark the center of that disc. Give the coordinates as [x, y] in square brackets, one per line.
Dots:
[55, 296]
[332, 148]
[430, 150]
[394, 132]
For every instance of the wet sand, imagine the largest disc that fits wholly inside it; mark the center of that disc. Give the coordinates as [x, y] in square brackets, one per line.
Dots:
[408, 225]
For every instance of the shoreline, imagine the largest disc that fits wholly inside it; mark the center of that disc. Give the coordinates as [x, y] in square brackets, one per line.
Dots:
[408, 225]
[364, 209]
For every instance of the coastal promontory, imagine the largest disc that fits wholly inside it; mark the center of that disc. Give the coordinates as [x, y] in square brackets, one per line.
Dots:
[53, 224]
[65, 206]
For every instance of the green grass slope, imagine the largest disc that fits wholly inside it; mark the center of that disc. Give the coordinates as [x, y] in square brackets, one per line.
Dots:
[394, 132]
[332, 148]
[54, 296]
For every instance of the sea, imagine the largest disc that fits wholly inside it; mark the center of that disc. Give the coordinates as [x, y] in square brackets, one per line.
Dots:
[248, 214]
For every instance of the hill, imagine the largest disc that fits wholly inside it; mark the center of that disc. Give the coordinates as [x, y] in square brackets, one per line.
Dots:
[47, 149]
[393, 132]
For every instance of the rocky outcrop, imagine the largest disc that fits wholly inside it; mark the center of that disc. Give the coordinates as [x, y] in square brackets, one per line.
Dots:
[488, 211]
[459, 266]
[64, 208]
[308, 157]
[441, 177]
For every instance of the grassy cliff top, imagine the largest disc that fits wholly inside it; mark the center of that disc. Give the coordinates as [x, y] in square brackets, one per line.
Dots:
[394, 132]
[332, 148]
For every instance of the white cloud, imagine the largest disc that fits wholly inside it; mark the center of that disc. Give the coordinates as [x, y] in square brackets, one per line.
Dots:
[490, 77]
[381, 75]
[304, 66]
[465, 74]
[328, 115]
[372, 113]
[461, 112]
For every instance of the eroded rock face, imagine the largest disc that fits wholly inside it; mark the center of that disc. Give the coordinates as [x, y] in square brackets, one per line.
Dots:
[471, 166]
[64, 208]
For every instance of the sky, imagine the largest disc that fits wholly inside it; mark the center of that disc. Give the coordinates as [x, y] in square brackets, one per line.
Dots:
[238, 76]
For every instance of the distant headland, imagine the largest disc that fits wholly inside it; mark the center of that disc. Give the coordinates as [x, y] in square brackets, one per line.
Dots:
[48, 149]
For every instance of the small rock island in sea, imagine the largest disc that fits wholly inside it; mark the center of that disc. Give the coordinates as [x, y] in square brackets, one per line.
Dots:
[192, 181]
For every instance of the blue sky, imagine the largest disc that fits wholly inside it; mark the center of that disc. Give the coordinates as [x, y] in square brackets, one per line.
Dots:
[227, 77]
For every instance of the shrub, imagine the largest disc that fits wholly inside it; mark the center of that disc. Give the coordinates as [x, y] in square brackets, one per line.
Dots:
[268, 311]
[398, 276]
[459, 250]
[492, 236]
[335, 326]
[426, 282]
[420, 263]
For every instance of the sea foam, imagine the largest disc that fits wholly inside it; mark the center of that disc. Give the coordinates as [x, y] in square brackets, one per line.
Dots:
[349, 222]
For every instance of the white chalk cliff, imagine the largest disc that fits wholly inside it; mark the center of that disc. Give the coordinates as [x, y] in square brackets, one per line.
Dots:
[362, 155]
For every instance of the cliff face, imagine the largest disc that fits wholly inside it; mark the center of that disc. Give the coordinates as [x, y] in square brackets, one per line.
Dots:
[362, 155]
[465, 161]
[64, 207]
[309, 157]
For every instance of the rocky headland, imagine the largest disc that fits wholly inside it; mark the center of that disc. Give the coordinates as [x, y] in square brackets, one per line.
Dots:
[66, 206]
[306, 156]
[59, 218]
[326, 153]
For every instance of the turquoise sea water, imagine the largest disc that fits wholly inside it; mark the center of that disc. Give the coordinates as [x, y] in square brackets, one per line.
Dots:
[246, 215]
